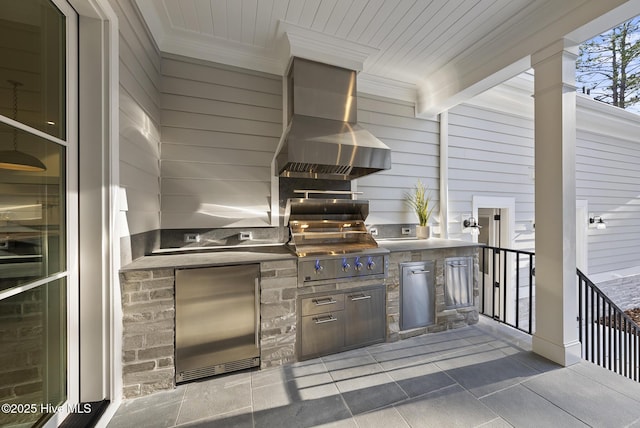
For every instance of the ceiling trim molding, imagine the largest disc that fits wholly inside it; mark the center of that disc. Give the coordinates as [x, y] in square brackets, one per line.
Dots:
[514, 97]
[223, 52]
[506, 52]
[316, 46]
[388, 88]
[156, 21]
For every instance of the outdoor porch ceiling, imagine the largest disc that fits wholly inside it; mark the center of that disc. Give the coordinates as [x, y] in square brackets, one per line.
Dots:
[434, 53]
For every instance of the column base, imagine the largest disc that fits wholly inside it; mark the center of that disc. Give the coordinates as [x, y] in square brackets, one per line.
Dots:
[563, 354]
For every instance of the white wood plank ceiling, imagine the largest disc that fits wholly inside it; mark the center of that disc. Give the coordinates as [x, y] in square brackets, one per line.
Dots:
[410, 41]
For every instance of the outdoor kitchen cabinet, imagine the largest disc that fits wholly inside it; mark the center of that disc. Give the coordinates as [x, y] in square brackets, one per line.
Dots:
[335, 322]
[365, 317]
[322, 325]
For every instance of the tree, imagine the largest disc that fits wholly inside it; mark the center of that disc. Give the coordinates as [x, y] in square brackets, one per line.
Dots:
[608, 65]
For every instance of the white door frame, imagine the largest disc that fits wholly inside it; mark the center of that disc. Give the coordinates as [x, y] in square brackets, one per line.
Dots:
[507, 207]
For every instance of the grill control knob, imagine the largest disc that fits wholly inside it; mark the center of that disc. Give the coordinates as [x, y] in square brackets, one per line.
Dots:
[370, 263]
[358, 264]
[319, 268]
[345, 265]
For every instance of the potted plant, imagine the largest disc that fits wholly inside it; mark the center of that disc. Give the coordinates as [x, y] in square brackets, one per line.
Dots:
[420, 201]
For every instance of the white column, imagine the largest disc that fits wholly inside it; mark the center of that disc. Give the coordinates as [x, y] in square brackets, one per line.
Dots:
[556, 335]
[444, 175]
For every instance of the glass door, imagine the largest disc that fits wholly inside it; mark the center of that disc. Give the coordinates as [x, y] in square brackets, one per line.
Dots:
[34, 274]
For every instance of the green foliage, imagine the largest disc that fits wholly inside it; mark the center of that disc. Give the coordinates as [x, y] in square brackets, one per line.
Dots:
[420, 201]
[608, 65]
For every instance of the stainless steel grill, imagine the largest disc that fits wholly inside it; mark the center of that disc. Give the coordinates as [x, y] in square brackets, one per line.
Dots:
[331, 240]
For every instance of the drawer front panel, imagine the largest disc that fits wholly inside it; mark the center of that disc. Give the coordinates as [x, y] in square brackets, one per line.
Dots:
[326, 303]
[322, 334]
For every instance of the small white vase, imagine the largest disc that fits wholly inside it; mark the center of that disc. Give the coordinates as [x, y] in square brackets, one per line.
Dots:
[423, 232]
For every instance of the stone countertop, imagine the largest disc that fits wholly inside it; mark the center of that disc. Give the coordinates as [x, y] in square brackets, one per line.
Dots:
[211, 257]
[248, 254]
[414, 244]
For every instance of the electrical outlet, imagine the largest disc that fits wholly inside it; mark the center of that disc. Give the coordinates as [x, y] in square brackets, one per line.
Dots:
[406, 231]
[191, 237]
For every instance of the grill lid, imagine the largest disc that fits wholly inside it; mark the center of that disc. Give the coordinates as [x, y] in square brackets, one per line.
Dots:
[328, 226]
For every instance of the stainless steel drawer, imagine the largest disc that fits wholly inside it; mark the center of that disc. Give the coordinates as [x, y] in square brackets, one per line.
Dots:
[322, 334]
[326, 303]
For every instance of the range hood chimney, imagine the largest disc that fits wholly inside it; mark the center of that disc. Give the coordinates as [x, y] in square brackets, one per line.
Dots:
[323, 139]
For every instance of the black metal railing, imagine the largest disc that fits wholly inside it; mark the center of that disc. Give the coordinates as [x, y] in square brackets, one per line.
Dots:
[507, 286]
[609, 337]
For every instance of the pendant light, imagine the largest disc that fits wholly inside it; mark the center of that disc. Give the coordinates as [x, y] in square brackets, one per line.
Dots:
[13, 159]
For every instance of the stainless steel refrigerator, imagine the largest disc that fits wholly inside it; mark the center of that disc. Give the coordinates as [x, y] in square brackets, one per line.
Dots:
[217, 320]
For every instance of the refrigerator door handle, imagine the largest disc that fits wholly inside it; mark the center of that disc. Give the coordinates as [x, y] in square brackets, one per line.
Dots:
[257, 311]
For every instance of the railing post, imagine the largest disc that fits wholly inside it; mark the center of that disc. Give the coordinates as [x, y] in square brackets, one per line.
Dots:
[517, 291]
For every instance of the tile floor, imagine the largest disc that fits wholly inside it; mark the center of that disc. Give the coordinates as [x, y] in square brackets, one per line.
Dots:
[479, 376]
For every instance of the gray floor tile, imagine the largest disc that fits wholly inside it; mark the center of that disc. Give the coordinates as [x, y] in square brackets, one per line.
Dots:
[522, 407]
[343, 423]
[269, 376]
[486, 370]
[241, 418]
[496, 423]
[625, 386]
[449, 407]
[215, 396]
[164, 406]
[370, 392]
[535, 361]
[636, 424]
[285, 406]
[586, 399]
[353, 366]
[393, 358]
[415, 382]
[419, 352]
[388, 417]
[419, 379]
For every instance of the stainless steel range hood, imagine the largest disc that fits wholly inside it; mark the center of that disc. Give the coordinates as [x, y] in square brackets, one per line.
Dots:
[322, 139]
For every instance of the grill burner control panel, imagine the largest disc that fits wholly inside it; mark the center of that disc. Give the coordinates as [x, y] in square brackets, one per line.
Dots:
[341, 268]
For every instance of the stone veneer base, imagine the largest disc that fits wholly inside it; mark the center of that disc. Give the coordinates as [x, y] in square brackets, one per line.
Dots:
[149, 315]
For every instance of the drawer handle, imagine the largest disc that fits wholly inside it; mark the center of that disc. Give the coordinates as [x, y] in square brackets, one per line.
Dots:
[362, 296]
[461, 265]
[419, 272]
[325, 301]
[322, 320]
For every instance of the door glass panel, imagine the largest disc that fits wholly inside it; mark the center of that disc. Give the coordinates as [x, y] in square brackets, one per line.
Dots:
[33, 353]
[32, 48]
[32, 214]
[33, 228]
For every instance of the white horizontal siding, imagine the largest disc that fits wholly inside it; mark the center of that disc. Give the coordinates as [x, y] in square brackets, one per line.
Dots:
[608, 176]
[139, 120]
[414, 155]
[220, 129]
[491, 153]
